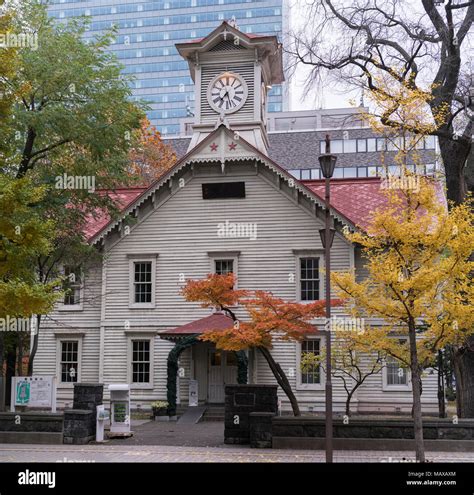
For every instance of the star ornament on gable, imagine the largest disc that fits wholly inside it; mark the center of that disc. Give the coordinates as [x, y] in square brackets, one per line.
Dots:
[213, 147]
[232, 146]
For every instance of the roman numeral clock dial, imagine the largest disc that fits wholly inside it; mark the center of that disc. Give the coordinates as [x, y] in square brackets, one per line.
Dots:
[227, 92]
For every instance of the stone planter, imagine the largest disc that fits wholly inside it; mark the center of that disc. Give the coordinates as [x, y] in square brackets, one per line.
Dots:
[160, 414]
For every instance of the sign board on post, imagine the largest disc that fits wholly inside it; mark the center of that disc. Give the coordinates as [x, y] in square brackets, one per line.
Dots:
[193, 393]
[33, 391]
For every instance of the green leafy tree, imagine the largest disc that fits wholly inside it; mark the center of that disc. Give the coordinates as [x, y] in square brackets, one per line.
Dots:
[24, 236]
[71, 119]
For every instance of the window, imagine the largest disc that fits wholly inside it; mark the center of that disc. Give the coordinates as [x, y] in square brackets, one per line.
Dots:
[69, 362]
[223, 190]
[338, 173]
[336, 146]
[141, 361]
[381, 144]
[309, 279]
[224, 262]
[371, 144]
[142, 280]
[361, 145]
[395, 373]
[312, 374]
[223, 267]
[350, 146]
[430, 142]
[72, 286]
[372, 171]
[306, 174]
[350, 172]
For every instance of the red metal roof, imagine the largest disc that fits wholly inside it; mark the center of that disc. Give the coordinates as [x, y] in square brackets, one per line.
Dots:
[216, 321]
[357, 199]
[122, 198]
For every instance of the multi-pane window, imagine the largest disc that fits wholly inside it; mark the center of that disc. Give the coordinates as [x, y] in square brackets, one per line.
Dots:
[142, 282]
[72, 286]
[312, 373]
[309, 279]
[223, 267]
[396, 373]
[141, 361]
[69, 361]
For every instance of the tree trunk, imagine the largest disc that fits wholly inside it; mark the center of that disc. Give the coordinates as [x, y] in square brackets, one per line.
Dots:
[34, 347]
[455, 154]
[416, 389]
[281, 379]
[464, 373]
[441, 394]
[348, 404]
[10, 373]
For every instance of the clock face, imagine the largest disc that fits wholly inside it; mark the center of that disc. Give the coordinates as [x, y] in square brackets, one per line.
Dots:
[227, 92]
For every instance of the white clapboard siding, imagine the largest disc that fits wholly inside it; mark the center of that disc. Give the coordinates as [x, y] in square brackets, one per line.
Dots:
[184, 230]
[181, 232]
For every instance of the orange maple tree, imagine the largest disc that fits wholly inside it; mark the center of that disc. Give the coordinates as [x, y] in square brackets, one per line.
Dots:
[268, 317]
[150, 157]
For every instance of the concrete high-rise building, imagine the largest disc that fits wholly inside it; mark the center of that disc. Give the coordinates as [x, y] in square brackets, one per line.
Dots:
[145, 44]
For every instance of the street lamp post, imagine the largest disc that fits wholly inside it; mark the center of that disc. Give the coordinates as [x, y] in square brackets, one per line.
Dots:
[328, 163]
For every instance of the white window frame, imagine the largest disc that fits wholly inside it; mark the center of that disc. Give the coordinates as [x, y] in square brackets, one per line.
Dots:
[143, 258]
[395, 388]
[131, 338]
[308, 254]
[223, 255]
[80, 305]
[60, 340]
[310, 386]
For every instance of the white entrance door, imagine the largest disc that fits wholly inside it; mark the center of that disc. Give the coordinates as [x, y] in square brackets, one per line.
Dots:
[222, 371]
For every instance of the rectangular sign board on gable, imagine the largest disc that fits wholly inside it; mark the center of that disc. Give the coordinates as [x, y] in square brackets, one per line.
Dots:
[34, 391]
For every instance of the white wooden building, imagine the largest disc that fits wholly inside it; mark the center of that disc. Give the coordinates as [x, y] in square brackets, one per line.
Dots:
[225, 206]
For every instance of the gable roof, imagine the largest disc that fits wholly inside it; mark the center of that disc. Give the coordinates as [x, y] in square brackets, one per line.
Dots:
[267, 46]
[104, 227]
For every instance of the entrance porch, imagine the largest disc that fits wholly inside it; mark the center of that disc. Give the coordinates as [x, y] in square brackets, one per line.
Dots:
[197, 371]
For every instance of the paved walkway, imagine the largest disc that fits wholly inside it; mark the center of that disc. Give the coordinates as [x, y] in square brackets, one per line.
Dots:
[158, 453]
[205, 434]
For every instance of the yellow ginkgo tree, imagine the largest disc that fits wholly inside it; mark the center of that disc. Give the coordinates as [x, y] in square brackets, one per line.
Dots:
[417, 257]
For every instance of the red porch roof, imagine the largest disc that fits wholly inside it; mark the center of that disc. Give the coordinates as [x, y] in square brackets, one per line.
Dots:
[216, 321]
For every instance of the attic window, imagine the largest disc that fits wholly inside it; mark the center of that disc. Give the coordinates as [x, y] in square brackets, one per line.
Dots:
[223, 190]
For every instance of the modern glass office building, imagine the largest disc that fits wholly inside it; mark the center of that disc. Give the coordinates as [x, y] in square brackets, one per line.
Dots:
[148, 31]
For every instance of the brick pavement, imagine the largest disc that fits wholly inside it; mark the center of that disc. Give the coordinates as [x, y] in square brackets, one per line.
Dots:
[160, 453]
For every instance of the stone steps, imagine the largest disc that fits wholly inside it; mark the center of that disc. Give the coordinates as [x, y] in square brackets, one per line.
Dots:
[213, 413]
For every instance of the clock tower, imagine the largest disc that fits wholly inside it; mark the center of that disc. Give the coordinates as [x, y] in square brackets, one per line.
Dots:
[233, 72]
